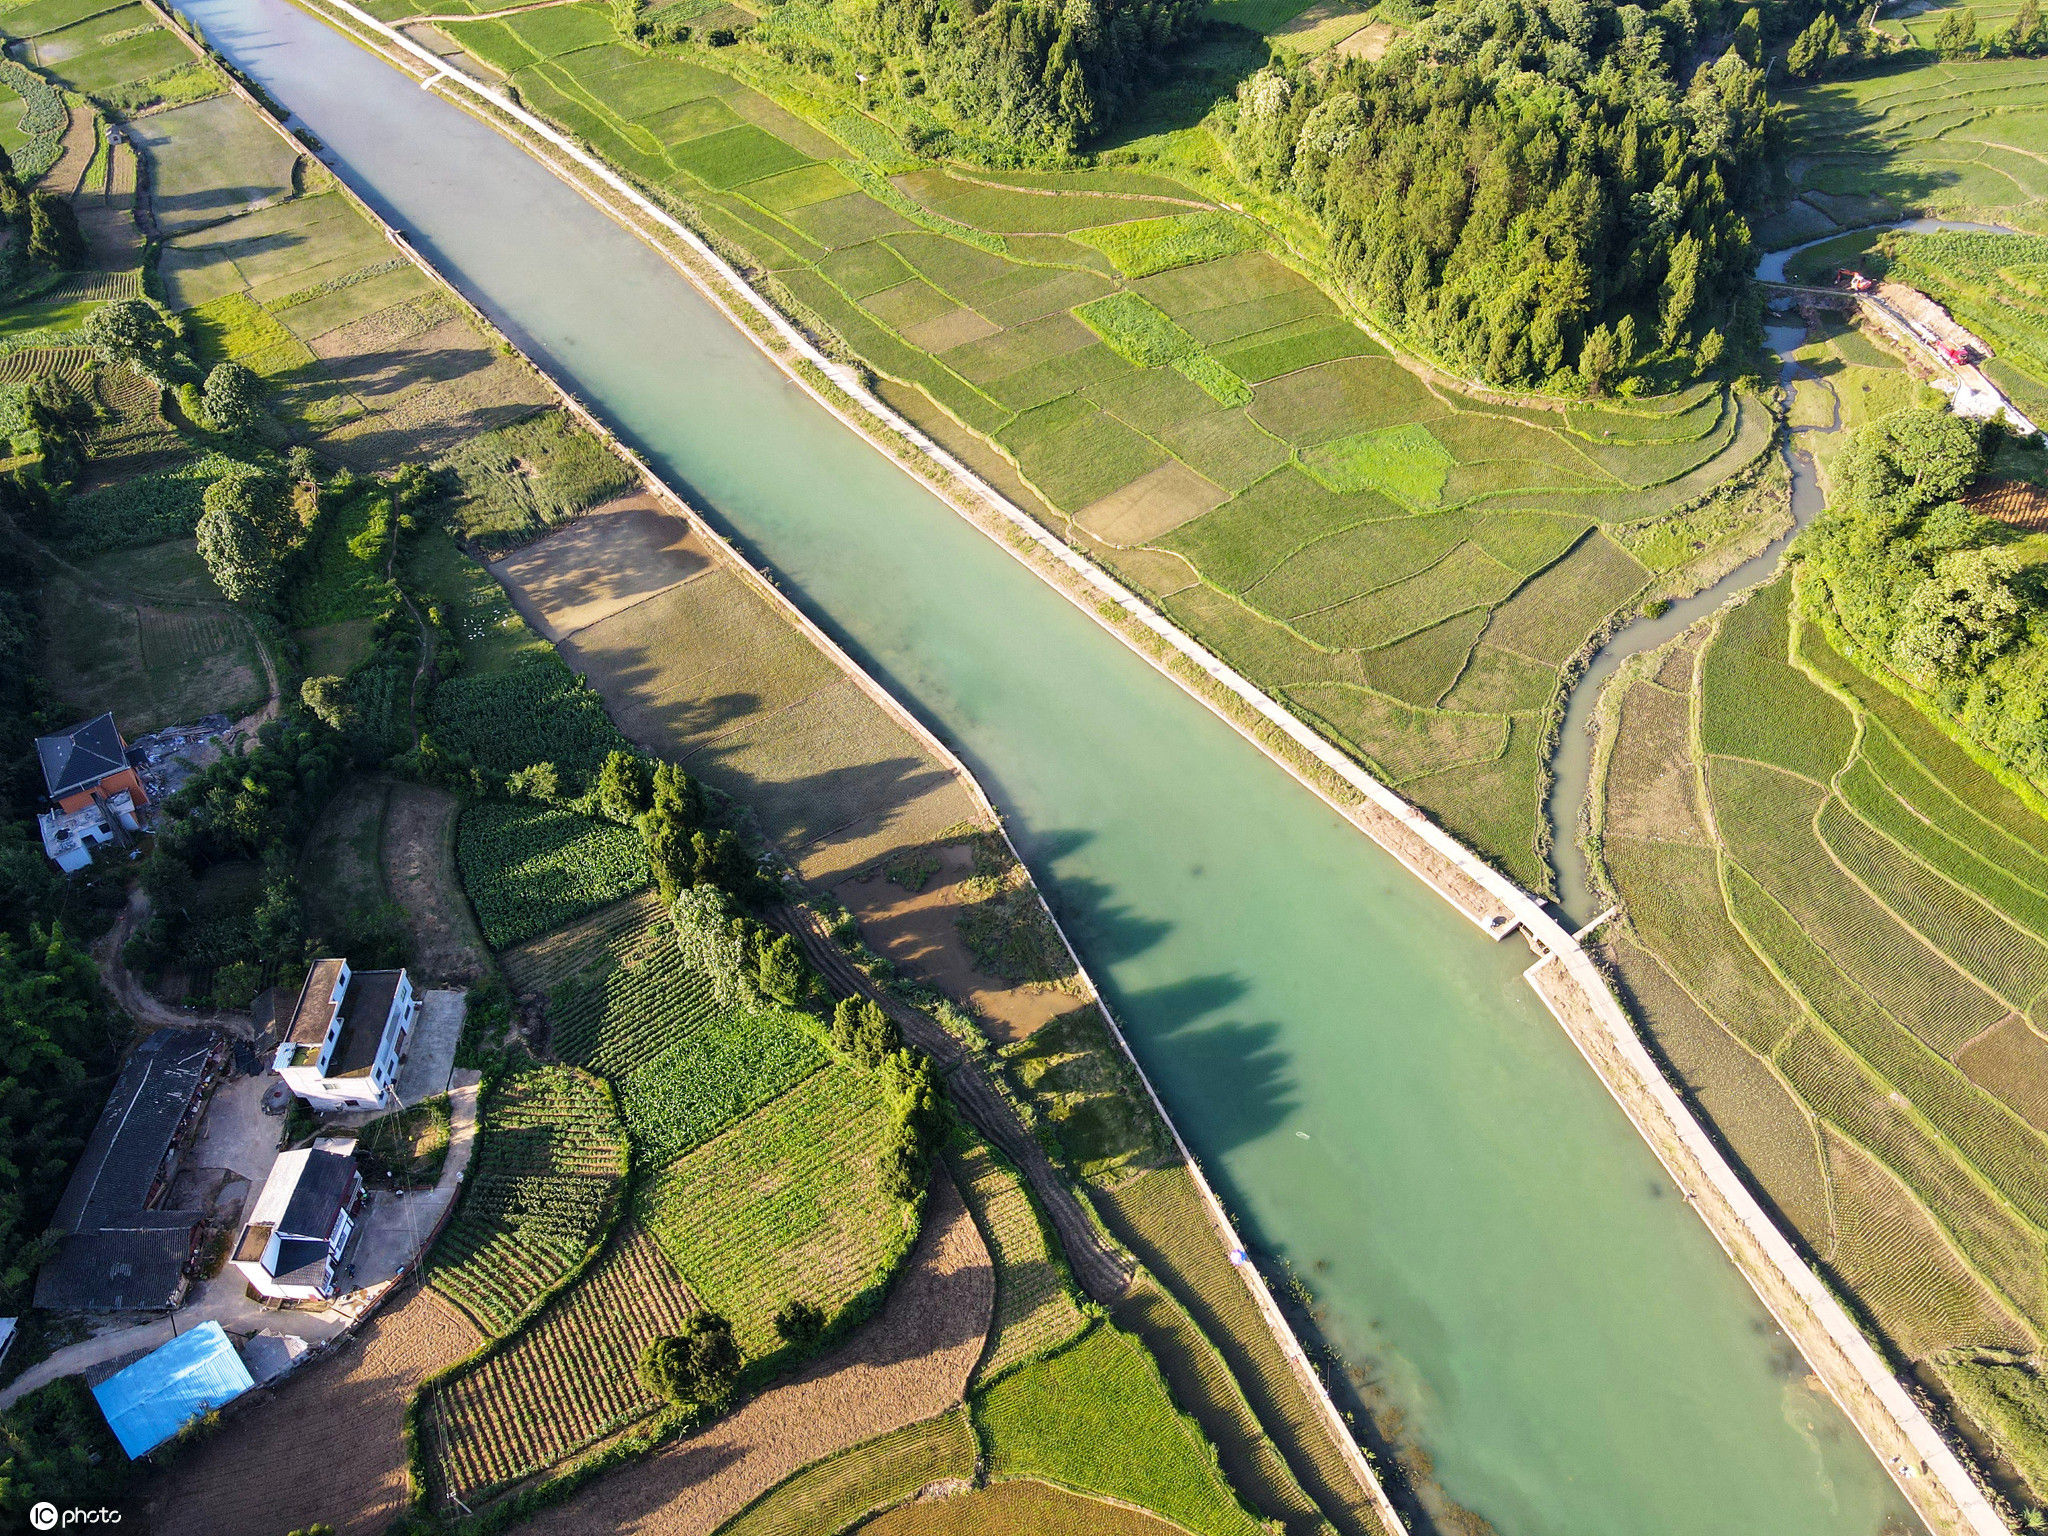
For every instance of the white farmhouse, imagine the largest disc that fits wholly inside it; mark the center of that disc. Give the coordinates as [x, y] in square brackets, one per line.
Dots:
[346, 1037]
[302, 1222]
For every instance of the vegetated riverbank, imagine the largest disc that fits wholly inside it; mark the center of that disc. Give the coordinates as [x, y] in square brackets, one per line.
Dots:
[1594, 1000]
[558, 600]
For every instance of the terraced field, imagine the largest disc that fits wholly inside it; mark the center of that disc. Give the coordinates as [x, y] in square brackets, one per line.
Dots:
[566, 1381]
[1964, 138]
[549, 1161]
[1146, 372]
[1838, 940]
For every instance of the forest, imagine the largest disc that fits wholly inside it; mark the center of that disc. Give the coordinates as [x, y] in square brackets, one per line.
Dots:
[1533, 193]
[1914, 584]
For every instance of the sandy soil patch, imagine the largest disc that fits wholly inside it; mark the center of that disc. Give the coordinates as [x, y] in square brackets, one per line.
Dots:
[609, 559]
[1152, 505]
[419, 869]
[327, 1446]
[909, 1362]
[915, 929]
[1369, 43]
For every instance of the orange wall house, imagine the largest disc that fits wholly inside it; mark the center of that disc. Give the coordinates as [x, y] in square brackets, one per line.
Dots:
[86, 762]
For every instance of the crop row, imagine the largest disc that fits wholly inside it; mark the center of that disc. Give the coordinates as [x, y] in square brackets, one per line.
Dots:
[833, 1494]
[536, 712]
[568, 1379]
[1034, 1305]
[785, 1206]
[545, 963]
[1972, 935]
[714, 1075]
[1898, 796]
[630, 1005]
[2003, 1148]
[1903, 1270]
[1766, 819]
[529, 867]
[1995, 1241]
[549, 1159]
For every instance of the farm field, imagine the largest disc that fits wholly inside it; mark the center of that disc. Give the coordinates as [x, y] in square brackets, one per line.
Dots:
[906, 1366]
[156, 665]
[1017, 1506]
[361, 1397]
[838, 1491]
[1845, 967]
[528, 867]
[1961, 138]
[1096, 1416]
[549, 1161]
[1408, 567]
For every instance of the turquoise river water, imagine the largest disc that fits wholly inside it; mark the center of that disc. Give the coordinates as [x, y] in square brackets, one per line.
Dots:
[1378, 1096]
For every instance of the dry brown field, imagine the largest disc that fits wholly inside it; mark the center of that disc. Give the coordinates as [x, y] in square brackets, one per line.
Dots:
[908, 1363]
[329, 1445]
[419, 870]
[1010, 1509]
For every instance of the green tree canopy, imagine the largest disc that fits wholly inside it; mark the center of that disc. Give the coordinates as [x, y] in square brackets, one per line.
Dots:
[129, 333]
[1511, 177]
[244, 533]
[53, 233]
[700, 1365]
[233, 396]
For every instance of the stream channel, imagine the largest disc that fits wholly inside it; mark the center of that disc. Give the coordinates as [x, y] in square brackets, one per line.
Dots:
[1379, 1097]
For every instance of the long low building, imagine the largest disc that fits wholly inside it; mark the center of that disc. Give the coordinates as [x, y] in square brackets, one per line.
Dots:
[122, 1250]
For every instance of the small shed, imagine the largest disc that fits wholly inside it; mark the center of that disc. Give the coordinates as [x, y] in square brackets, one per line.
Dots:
[166, 1389]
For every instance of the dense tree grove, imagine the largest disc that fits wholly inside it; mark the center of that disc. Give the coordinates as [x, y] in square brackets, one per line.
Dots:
[1528, 187]
[1040, 75]
[1913, 581]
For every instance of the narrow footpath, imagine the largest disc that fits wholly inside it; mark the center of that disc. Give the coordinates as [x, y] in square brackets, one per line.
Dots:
[1102, 1271]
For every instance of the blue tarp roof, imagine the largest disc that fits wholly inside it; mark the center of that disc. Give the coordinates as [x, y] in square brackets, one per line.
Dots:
[159, 1394]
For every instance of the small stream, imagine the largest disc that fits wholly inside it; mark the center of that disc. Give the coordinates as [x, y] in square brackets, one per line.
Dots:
[1573, 764]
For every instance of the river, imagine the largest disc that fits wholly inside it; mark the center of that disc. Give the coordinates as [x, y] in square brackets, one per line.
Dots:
[1377, 1094]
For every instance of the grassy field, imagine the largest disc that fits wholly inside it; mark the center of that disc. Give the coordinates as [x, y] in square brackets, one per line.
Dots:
[1160, 1217]
[529, 868]
[1183, 404]
[1084, 1088]
[1024, 1505]
[1035, 1306]
[835, 1493]
[785, 1206]
[1096, 1417]
[549, 1160]
[1842, 971]
[152, 665]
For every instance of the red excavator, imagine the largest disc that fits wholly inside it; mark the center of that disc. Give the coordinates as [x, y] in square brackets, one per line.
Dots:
[1856, 281]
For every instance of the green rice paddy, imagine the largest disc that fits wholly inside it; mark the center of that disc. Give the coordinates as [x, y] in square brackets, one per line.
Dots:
[1190, 409]
[1854, 947]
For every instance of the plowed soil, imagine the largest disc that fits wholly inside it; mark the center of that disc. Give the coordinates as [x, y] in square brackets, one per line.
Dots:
[329, 1444]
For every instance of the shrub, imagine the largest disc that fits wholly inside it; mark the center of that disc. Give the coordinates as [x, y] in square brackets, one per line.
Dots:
[700, 1365]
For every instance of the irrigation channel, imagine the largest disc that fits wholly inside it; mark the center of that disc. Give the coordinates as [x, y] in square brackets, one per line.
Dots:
[1573, 764]
[1574, 760]
[1383, 1103]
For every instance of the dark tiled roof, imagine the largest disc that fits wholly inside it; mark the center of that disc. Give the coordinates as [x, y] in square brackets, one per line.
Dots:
[364, 1012]
[83, 755]
[300, 1262]
[156, 1086]
[324, 1186]
[134, 1267]
[315, 1009]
